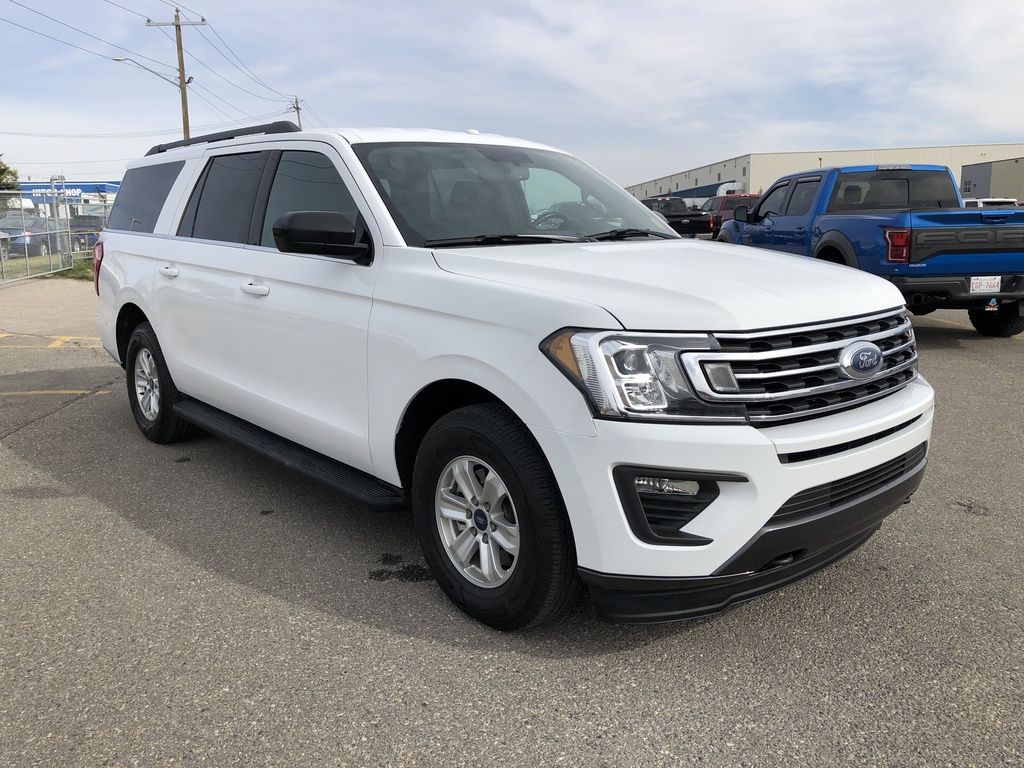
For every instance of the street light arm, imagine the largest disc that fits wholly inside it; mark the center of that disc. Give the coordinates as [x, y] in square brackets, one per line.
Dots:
[143, 66]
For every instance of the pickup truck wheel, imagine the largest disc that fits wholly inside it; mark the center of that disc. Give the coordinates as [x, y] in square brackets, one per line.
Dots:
[1005, 321]
[724, 237]
[491, 521]
[150, 390]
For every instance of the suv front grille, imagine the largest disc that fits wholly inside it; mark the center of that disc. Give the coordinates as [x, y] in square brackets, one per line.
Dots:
[791, 374]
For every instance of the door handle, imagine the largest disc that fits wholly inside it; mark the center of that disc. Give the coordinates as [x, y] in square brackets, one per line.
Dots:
[255, 289]
[169, 271]
[800, 231]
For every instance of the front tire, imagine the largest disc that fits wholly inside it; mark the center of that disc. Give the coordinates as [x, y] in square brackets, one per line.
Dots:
[491, 520]
[1005, 321]
[151, 391]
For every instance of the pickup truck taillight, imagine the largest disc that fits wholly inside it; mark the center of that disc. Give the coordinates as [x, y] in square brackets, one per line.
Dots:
[897, 245]
[97, 259]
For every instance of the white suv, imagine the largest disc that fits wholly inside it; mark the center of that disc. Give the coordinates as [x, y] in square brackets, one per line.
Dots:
[491, 333]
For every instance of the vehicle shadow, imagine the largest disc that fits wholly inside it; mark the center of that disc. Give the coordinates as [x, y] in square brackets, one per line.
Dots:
[245, 518]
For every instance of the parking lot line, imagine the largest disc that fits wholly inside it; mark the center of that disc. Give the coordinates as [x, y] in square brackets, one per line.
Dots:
[29, 392]
[55, 342]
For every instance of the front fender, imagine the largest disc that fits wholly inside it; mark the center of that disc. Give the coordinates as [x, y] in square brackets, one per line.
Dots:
[731, 231]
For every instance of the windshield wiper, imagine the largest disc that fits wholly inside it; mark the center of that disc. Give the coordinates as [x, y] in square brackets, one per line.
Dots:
[624, 234]
[511, 239]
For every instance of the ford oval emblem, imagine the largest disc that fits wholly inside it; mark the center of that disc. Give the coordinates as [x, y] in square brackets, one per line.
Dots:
[860, 360]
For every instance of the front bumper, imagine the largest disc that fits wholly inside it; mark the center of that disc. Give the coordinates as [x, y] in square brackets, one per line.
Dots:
[788, 500]
[786, 552]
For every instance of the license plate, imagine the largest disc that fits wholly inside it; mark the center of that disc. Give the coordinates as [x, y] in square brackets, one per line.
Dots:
[986, 284]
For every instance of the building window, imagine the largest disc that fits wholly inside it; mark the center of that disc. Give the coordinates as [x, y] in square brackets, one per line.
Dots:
[719, 177]
[744, 170]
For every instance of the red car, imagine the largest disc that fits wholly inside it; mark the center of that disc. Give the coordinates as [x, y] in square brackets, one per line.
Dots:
[720, 208]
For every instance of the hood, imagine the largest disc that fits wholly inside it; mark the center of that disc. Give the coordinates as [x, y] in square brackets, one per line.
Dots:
[680, 285]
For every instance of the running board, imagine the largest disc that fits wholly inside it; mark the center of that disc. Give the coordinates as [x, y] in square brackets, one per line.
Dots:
[351, 483]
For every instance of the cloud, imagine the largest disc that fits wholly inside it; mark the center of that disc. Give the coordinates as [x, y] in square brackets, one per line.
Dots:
[641, 89]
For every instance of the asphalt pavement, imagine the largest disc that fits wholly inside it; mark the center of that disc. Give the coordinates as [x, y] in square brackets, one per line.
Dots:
[195, 604]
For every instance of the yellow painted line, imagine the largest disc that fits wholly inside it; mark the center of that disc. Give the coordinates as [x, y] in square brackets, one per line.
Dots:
[55, 392]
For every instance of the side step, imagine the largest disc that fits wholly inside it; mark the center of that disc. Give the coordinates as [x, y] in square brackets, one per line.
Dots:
[351, 483]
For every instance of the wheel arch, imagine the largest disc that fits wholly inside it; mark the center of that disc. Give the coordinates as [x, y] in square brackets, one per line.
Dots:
[837, 249]
[129, 317]
[430, 404]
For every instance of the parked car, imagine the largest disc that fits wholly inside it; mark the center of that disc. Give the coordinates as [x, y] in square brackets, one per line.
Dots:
[32, 235]
[720, 208]
[562, 402]
[904, 223]
[85, 231]
[686, 220]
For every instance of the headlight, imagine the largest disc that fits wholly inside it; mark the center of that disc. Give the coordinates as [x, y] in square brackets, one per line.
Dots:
[637, 376]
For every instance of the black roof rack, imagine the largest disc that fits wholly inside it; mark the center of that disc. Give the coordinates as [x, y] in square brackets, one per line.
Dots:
[281, 126]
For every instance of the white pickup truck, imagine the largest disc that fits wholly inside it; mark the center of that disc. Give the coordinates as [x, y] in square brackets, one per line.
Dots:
[490, 333]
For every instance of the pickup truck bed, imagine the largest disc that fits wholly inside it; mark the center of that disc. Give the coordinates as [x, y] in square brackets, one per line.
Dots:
[905, 224]
[686, 221]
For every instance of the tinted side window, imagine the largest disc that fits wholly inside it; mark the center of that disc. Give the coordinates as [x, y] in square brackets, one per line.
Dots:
[771, 204]
[803, 196]
[306, 181]
[222, 203]
[142, 195]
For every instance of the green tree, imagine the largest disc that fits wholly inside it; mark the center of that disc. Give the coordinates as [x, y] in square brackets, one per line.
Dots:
[8, 177]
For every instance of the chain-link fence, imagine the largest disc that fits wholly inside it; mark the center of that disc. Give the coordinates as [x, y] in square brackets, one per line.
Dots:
[44, 234]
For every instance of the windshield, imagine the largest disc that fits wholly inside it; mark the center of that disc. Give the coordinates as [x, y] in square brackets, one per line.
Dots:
[447, 194]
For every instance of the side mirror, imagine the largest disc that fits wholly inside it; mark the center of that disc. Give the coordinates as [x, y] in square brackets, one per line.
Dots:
[324, 233]
[740, 213]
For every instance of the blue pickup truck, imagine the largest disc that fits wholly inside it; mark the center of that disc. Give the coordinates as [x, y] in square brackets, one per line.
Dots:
[905, 223]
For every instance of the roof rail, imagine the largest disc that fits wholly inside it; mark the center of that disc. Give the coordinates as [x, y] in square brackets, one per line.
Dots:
[281, 126]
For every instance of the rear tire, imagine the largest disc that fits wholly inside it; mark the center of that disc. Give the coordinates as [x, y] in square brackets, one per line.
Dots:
[151, 391]
[1005, 321]
[491, 520]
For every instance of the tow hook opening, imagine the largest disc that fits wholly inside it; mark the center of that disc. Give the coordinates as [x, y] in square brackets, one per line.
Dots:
[782, 560]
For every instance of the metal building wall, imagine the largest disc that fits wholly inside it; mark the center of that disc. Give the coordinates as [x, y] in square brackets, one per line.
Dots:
[762, 169]
[1007, 179]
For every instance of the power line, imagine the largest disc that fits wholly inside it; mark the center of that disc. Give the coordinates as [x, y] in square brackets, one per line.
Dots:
[138, 134]
[83, 32]
[55, 39]
[214, 72]
[218, 98]
[123, 8]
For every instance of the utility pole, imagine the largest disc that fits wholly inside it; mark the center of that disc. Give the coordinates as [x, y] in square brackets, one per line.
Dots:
[298, 111]
[178, 24]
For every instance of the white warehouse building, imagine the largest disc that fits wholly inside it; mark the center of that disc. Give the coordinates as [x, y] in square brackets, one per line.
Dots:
[755, 172]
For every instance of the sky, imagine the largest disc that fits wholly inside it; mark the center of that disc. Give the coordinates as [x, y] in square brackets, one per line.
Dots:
[638, 88]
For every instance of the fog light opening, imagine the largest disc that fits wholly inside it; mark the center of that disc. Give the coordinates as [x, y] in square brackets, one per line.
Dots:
[667, 486]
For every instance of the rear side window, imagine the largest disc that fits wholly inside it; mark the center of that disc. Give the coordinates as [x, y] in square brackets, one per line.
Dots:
[803, 196]
[142, 195]
[222, 204]
[732, 202]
